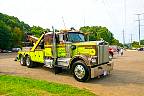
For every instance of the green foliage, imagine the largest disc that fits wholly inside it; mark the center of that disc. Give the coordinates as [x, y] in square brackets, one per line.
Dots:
[37, 30]
[20, 86]
[5, 36]
[98, 32]
[121, 45]
[135, 44]
[114, 42]
[11, 31]
[142, 42]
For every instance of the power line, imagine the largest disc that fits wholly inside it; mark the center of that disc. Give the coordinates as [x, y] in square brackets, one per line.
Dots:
[107, 9]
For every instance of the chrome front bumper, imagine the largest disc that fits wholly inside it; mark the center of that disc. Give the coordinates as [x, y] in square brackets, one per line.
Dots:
[103, 69]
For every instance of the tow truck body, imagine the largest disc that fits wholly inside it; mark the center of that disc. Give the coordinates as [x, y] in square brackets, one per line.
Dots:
[68, 49]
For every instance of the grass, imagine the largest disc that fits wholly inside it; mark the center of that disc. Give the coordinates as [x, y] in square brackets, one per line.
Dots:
[21, 86]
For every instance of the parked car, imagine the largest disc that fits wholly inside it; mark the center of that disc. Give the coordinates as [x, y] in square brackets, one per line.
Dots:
[16, 49]
[1, 50]
[6, 51]
[113, 50]
[141, 49]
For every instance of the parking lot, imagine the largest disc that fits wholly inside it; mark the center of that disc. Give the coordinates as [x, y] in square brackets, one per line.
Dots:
[127, 78]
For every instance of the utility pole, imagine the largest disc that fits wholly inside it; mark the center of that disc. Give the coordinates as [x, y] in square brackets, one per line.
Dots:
[124, 28]
[139, 24]
[139, 27]
[123, 38]
[131, 40]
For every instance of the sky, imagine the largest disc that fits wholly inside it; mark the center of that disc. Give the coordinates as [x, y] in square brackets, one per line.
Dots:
[116, 15]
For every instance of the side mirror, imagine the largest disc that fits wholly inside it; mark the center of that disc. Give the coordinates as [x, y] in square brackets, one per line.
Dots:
[73, 47]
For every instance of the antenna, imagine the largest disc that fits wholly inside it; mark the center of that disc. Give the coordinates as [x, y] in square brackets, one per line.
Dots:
[63, 22]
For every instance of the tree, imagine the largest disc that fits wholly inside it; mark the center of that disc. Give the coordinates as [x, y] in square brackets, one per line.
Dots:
[37, 30]
[17, 36]
[135, 44]
[98, 32]
[5, 36]
[142, 42]
[11, 31]
[114, 42]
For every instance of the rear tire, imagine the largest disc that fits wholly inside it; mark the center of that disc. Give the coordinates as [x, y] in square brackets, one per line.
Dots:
[22, 60]
[29, 63]
[80, 71]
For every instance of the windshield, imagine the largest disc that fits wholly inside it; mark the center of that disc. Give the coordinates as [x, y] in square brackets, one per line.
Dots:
[75, 37]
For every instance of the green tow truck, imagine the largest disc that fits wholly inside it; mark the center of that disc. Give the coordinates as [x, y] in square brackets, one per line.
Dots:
[69, 49]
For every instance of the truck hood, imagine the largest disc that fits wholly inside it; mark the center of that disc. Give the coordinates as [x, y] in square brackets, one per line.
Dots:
[88, 43]
[88, 48]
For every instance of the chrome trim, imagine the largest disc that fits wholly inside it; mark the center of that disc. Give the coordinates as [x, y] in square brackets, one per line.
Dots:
[102, 69]
[79, 71]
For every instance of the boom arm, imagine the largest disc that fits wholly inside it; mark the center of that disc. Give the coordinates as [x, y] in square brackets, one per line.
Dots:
[32, 39]
[33, 48]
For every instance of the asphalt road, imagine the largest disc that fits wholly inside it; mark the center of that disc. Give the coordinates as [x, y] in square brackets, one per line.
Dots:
[127, 78]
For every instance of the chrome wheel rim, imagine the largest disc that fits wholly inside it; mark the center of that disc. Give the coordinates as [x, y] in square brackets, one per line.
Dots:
[79, 71]
[27, 61]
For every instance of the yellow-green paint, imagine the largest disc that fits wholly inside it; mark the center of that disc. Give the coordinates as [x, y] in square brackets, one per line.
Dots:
[83, 50]
[37, 56]
[61, 52]
[32, 55]
[48, 52]
[85, 43]
[35, 45]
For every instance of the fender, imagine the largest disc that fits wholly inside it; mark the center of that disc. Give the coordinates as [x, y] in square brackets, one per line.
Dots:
[79, 57]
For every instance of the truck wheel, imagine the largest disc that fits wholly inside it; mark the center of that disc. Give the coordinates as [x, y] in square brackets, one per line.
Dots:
[22, 60]
[29, 63]
[81, 71]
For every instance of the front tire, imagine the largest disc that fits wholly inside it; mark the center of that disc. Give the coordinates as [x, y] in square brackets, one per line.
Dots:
[80, 71]
[29, 63]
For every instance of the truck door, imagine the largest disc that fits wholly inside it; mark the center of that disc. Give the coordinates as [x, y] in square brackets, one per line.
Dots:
[61, 46]
[63, 50]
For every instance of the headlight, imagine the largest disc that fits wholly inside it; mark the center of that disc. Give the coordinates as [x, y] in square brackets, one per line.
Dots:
[93, 59]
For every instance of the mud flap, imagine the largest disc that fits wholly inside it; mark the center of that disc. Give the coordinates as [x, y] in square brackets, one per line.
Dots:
[57, 70]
